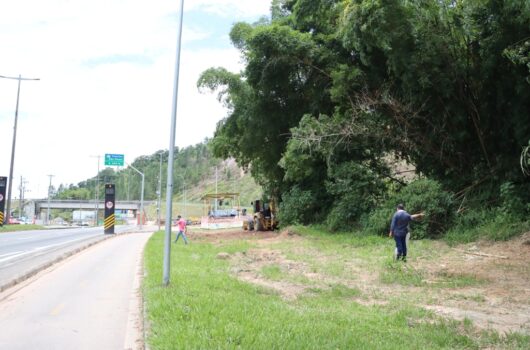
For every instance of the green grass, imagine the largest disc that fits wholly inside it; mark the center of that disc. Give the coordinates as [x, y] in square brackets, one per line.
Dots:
[401, 273]
[453, 280]
[13, 228]
[487, 225]
[205, 307]
[272, 272]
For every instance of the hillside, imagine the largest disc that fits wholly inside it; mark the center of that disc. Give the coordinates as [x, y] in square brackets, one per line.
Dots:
[194, 176]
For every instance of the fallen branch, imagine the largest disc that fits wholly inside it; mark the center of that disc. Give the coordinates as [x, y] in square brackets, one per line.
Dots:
[481, 254]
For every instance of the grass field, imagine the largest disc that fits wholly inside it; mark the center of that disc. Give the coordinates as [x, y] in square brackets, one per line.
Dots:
[12, 228]
[303, 289]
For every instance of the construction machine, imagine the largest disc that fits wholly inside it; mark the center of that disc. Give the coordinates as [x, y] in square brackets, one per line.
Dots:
[264, 217]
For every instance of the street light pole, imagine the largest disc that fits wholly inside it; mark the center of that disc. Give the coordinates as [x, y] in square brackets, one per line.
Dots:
[142, 194]
[22, 189]
[97, 191]
[10, 180]
[49, 195]
[169, 186]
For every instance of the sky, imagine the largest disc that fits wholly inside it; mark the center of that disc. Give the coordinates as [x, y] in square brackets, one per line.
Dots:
[106, 70]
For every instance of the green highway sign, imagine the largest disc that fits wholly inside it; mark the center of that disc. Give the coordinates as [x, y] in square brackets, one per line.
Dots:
[114, 159]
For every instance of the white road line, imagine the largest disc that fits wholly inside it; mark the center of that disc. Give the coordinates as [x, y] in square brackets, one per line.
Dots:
[11, 253]
[34, 250]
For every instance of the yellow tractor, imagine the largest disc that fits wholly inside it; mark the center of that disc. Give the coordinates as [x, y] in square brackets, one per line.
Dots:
[264, 217]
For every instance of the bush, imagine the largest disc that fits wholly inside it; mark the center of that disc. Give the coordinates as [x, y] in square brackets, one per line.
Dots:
[297, 207]
[512, 201]
[492, 224]
[425, 196]
[355, 190]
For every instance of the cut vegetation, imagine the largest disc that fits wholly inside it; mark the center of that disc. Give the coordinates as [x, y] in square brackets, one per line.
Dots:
[306, 289]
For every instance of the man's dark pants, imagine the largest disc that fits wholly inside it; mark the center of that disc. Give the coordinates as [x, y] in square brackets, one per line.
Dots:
[401, 245]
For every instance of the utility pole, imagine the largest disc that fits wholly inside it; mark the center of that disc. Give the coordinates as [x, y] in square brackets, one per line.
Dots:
[173, 129]
[97, 192]
[215, 206]
[10, 180]
[49, 195]
[142, 194]
[22, 189]
[185, 201]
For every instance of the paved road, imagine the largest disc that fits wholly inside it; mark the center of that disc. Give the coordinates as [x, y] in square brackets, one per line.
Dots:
[22, 252]
[85, 302]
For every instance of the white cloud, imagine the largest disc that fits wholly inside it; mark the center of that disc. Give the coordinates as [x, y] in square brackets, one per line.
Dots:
[106, 70]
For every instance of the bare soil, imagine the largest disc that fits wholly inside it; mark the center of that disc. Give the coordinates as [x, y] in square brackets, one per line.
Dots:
[498, 296]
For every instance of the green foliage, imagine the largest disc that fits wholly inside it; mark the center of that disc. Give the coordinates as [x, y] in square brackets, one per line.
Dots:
[193, 173]
[73, 192]
[425, 196]
[485, 224]
[378, 221]
[359, 80]
[297, 207]
[356, 190]
[513, 200]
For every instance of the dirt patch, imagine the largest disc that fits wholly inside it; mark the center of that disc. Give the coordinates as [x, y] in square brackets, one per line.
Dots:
[470, 281]
[501, 300]
[217, 236]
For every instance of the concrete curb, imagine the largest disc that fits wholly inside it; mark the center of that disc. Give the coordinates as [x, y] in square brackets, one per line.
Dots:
[135, 333]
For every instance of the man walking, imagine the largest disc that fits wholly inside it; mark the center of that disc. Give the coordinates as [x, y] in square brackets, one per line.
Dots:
[182, 228]
[399, 229]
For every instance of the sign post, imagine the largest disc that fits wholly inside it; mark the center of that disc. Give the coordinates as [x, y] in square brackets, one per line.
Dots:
[110, 201]
[3, 182]
[114, 159]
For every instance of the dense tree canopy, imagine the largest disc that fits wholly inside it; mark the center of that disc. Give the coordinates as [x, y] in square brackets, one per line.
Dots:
[334, 90]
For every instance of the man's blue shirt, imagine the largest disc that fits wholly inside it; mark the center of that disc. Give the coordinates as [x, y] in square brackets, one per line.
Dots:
[400, 222]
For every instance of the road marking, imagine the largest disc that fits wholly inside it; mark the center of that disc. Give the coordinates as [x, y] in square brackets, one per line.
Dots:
[24, 238]
[11, 253]
[34, 250]
[57, 310]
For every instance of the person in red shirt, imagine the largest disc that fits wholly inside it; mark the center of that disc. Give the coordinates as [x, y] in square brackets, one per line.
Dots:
[182, 229]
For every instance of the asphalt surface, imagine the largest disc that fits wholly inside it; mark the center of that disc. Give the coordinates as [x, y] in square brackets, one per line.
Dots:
[88, 301]
[24, 253]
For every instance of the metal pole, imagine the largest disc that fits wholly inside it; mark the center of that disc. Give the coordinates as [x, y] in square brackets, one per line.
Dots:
[97, 195]
[169, 187]
[49, 194]
[8, 211]
[10, 180]
[215, 204]
[96, 192]
[142, 194]
[142, 203]
[159, 192]
[21, 188]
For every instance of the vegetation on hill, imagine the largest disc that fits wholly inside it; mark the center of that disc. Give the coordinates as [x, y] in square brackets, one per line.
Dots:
[194, 176]
[333, 93]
